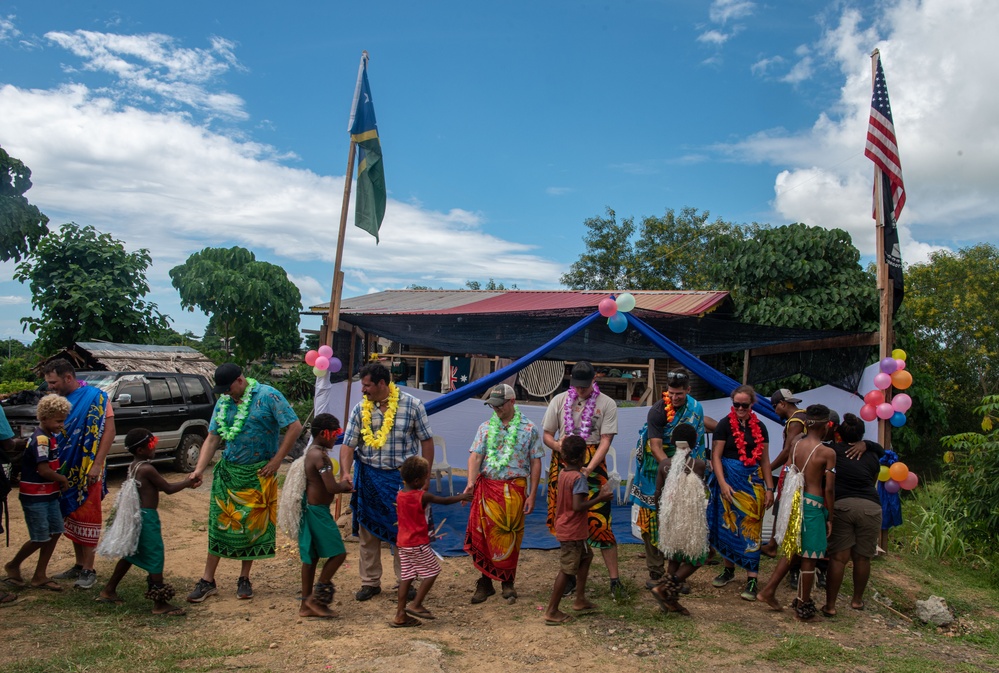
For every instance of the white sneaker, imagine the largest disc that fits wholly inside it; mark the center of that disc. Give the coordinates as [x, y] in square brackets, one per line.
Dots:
[87, 579]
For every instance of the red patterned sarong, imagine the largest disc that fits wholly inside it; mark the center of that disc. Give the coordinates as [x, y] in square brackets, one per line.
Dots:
[496, 527]
[83, 526]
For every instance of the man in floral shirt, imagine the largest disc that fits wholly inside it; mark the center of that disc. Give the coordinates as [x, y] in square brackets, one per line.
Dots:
[506, 451]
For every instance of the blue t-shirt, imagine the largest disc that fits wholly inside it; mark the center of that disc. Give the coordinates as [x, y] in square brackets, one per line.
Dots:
[260, 437]
[5, 431]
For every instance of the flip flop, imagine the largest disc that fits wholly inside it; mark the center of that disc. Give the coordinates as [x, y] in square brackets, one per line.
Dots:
[14, 582]
[51, 585]
[409, 623]
[176, 612]
[586, 611]
[559, 622]
[109, 601]
[425, 614]
[862, 606]
[6, 597]
[826, 614]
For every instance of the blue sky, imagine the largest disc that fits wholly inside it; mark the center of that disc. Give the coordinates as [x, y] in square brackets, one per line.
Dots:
[176, 126]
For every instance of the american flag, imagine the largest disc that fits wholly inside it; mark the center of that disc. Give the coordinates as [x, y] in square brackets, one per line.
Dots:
[881, 146]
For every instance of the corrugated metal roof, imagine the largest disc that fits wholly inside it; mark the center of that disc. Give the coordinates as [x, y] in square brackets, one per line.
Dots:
[452, 302]
[108, 347]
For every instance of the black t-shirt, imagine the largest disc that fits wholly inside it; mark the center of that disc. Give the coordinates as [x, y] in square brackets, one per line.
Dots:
[723, 433]
[857, 478]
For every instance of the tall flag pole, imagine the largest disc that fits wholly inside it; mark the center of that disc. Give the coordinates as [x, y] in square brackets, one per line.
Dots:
[369, 209]
[889, 198]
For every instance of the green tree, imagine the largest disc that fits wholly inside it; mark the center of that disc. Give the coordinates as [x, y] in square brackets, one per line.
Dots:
[22, 225]
[795, 276]
[973, 476]
[87, 286]
[248, 301]
[608, 263]
[673, 251]
[491, 285]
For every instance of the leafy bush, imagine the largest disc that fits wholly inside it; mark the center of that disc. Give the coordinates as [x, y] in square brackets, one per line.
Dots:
[973, 476]
[298, 384]
[9, 387]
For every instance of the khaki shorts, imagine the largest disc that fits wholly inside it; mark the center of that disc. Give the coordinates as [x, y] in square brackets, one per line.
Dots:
[574, 552]
[857, 526]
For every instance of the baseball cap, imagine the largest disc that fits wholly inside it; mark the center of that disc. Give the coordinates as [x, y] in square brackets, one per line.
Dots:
[784, 395]
[225, 376]
[582, 375]
[500, 395]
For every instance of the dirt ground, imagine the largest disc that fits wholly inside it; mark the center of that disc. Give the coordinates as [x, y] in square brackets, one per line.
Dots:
[723, 632]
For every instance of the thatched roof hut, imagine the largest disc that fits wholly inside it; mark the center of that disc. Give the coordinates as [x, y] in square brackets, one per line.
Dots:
[106, 356]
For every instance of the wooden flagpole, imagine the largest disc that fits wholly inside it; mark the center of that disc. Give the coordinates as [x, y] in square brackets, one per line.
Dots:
[885, 287]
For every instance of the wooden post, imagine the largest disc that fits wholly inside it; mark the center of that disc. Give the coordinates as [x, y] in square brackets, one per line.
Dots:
[745, 367]
[885, 289]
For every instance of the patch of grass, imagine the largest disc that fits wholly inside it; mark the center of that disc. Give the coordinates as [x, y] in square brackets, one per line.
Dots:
[739, 632]
[811, 650]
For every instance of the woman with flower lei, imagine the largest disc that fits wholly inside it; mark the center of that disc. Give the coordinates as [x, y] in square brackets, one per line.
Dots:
[583, 410]
[741, 490]
[506, 452]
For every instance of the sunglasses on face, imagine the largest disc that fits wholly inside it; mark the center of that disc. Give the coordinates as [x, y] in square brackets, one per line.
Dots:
[677, 379]
[741, 405]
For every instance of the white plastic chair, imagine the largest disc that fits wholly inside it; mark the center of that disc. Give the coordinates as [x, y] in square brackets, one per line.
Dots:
[441, 466]
[611, 460]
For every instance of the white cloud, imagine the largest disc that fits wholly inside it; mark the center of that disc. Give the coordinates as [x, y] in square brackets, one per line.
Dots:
[313, 292]
[763, 66]
[156, 180]
[945, 120]
[154, 64]
[715, 37]
[558, 191]
[801, 71]
[722, 11]
[7, 28]
[11, 300]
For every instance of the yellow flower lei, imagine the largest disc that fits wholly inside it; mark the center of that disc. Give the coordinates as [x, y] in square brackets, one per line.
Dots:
[371, 439]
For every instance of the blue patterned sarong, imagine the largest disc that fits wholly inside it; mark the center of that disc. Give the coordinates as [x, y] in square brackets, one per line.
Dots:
[735, 527]
[78, 448]
[373, 500]
[891, 503]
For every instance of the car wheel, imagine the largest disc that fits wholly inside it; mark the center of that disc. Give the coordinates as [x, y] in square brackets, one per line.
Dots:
[188, 452]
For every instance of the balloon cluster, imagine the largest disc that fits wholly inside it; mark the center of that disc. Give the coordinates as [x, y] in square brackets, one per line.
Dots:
[897, 477]
[322, 361]
[893, 373]
[614, 310]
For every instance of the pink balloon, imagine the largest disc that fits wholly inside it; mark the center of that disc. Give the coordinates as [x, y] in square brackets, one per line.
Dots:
[900, 363]
[901, 402]
[310, 358]
[868, 412]
[335, 365]
[882, 381]
[884, 410]
[910, 482]
[892, 486]
[326, 351]
[874, 398]
[323, 363]
[607, 307]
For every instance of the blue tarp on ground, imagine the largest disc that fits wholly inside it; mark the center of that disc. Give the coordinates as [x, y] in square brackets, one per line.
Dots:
[536, 535]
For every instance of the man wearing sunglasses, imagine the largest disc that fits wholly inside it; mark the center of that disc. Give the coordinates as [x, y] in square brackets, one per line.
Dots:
[676, 407]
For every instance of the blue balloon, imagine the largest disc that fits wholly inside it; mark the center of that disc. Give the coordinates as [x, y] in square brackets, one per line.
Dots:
[897, 419]
[617, 323]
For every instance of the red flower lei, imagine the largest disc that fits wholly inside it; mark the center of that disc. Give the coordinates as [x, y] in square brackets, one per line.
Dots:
[740, 437]
[668, 407]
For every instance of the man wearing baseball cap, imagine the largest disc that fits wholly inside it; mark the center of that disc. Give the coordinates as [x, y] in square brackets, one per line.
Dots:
[249, 416]
[506, 451]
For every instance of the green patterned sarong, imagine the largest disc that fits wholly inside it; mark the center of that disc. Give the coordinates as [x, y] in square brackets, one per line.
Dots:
[149, 554]
[242, 514]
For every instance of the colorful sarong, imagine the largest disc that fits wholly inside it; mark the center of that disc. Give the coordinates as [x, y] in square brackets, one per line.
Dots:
[373, 500]
[813, 526]
[318, 535]
[83, 525]
[599, 516]
[78, 449]
[242, 514]
[735, 527]
[643, 487]
[496, 527]
[149, 554]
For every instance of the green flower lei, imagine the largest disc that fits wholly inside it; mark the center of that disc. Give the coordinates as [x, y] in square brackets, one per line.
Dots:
[226, 432]
[494, 461]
